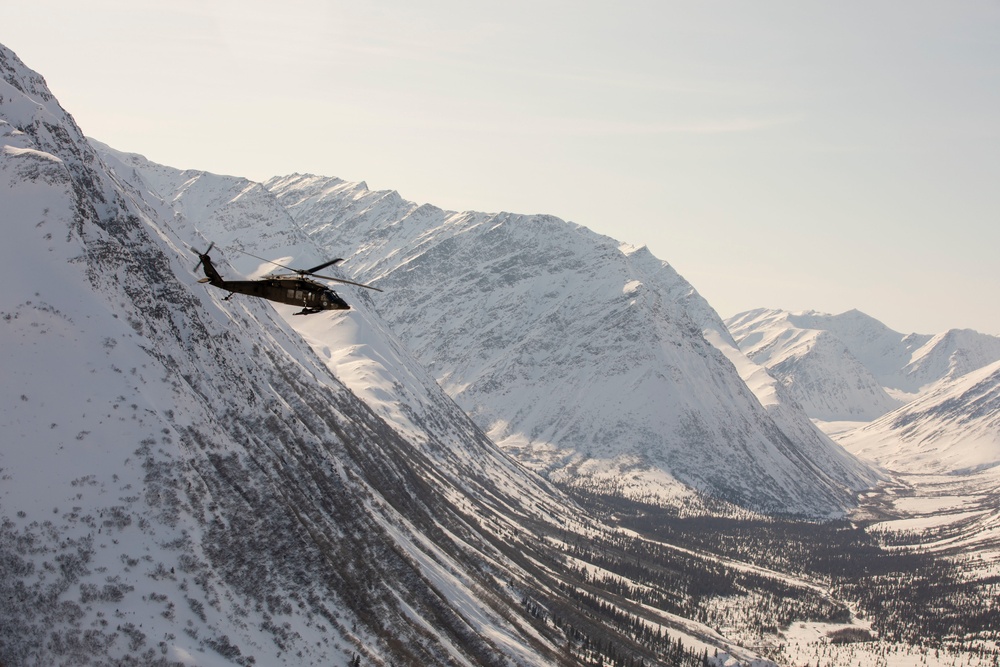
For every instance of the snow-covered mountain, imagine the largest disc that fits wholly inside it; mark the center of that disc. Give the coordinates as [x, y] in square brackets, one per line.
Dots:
[851, 367]
[954, 428]
[229, 210]
[584, 358]
[192, 472]
[190, 481]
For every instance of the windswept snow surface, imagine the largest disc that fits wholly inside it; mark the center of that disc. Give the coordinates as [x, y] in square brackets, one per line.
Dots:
[583, 357]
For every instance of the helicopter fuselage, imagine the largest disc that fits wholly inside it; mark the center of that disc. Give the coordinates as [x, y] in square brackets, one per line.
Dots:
[309, 294]
[295, 291]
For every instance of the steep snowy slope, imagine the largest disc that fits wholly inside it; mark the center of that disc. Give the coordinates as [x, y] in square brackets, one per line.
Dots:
[355, 345]
[184, 481]
[954, 428]
[179, 478]
[827, 457]
[575, 353]
[851, 366]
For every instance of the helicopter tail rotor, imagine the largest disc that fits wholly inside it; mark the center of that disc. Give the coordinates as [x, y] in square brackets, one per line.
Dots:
[202, 255]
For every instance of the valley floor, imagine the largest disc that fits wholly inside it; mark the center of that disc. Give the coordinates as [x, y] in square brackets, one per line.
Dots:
[808, 644]
[913, 578]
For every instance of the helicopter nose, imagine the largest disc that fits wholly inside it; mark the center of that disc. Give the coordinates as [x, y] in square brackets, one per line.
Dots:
[334, 302]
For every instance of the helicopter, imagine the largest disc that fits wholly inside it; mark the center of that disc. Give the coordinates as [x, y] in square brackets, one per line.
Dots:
[295, 289]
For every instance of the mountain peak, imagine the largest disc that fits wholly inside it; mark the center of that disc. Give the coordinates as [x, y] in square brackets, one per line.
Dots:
[26, 81]
[628, 249]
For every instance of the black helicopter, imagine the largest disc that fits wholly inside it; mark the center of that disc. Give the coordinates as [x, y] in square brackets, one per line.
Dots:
[295, 289]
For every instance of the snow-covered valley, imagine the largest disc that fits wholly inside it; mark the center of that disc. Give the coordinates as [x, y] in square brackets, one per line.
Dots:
[537, 447]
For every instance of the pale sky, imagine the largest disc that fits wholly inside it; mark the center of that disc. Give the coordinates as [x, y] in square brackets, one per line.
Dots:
[784, 154]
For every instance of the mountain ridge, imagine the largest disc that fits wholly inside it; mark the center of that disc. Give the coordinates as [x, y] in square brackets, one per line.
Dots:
[851, 367]
[585, 298]
[908, 402]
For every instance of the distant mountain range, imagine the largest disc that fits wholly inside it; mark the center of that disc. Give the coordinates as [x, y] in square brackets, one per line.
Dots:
[586, 360]
[952, 428]
[929, 397]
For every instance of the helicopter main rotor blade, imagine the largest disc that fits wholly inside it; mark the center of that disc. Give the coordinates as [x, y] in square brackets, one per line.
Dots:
[199, 252]
[301, 272]
[269, 261]
[321, 266]
[349, 282]
[310, 272]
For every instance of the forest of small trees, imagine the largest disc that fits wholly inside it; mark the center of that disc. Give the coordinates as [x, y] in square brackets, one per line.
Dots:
[685, 566]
